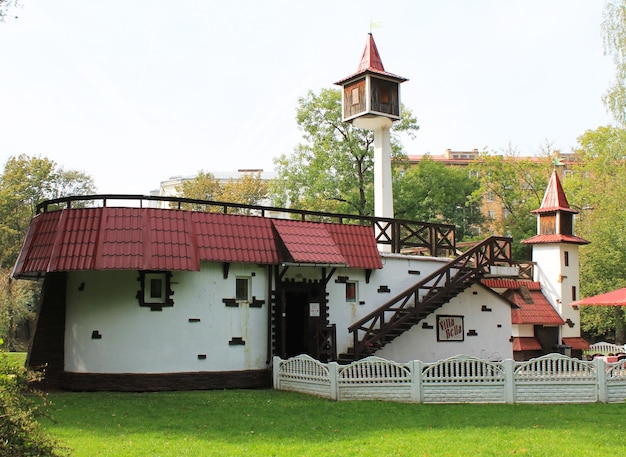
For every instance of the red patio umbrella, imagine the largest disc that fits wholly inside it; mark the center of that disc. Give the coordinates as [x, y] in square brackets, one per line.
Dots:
[614, 298]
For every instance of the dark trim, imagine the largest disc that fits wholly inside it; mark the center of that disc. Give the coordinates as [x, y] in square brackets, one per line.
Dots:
[165, 301]
[140, 382]
[256, 303]
[47, 347]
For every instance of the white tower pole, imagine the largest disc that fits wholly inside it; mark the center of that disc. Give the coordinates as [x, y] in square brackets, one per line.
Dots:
[383, 195]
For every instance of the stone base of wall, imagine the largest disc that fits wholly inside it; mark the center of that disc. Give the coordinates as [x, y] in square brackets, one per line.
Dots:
[139, 382]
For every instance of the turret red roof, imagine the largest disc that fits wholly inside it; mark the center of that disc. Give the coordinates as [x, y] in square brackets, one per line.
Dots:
[371, 63]
[554, 199]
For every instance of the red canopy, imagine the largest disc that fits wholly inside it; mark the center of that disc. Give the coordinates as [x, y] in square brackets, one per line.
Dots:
[615, 298]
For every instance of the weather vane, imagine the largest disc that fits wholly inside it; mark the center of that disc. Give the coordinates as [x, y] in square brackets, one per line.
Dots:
[374, 25]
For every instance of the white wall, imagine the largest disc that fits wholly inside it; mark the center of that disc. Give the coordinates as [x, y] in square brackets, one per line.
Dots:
[493, 331]
[394, 275]
[138, 340]
[557, 280]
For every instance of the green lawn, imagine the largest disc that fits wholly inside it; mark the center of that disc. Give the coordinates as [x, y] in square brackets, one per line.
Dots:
[270, 423]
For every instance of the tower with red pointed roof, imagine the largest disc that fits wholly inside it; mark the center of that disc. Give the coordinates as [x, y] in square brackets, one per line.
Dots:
[555, 250]
[371, 100]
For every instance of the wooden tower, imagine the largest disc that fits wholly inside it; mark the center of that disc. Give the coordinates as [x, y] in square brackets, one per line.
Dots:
[371, 100]
[555, 251]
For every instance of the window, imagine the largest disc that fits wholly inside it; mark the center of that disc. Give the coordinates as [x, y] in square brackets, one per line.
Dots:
[489, 196]
[574, 293]
[355, 96]
[155, 289]
[242, 289]
[351, 291]
[492, 215]
[384, 95]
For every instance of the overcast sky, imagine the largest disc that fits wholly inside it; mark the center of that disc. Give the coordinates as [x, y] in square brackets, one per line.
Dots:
[134, 92]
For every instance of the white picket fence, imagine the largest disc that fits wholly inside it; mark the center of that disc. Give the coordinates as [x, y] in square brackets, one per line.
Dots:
[605, 348]
[553, 378]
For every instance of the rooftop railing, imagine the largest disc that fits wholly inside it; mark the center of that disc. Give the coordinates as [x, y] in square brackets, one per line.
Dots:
[398, 234]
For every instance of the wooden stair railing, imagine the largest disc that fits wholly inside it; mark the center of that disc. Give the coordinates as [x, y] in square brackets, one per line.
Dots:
[401, 313]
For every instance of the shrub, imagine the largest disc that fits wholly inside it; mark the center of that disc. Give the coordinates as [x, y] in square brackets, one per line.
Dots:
[20, 406]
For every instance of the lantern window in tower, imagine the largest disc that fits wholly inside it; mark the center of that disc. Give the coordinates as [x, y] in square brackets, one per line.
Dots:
[371, 91]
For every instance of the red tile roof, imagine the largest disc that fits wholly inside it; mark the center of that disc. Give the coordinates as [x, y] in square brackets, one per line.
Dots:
[576, 342]
[533, 308]
[371, 63]
[164, 239]
[498, 283]
[356, 244]
[526, 343]
[554, 199]
[555, 238]
[308, 242]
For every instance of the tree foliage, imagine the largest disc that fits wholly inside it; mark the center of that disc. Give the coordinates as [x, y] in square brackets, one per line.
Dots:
[17, 305]
[597, 188]
[24, 183]
[614, 34]
[332, 170]
[5, 5]
[249, 189]
[20, 407]
[518, 184]
[432, 192]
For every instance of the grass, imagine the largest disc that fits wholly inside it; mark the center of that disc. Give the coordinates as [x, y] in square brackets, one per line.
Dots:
[15, 358]
[271, 423]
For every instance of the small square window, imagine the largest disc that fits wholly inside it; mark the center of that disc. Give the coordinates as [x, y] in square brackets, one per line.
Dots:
[242, 289]
[155, 289]
[351, 291]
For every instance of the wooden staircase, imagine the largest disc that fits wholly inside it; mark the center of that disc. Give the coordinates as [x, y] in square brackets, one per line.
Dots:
[401, 313]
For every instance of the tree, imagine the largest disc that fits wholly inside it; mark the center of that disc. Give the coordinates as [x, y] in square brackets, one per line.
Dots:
[598, 187]
[431, 192]
[17, 305]
[20, 407]
[24, 183]
[614, 34]
[249, 189]
[333, 169]
[203, 187]
[518, 185]
[4, 7]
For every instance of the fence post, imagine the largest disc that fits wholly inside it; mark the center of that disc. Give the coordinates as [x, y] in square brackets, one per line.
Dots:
[601, 373]
[275, 371]
[416, 381]
[509, 380]
[333, 372]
